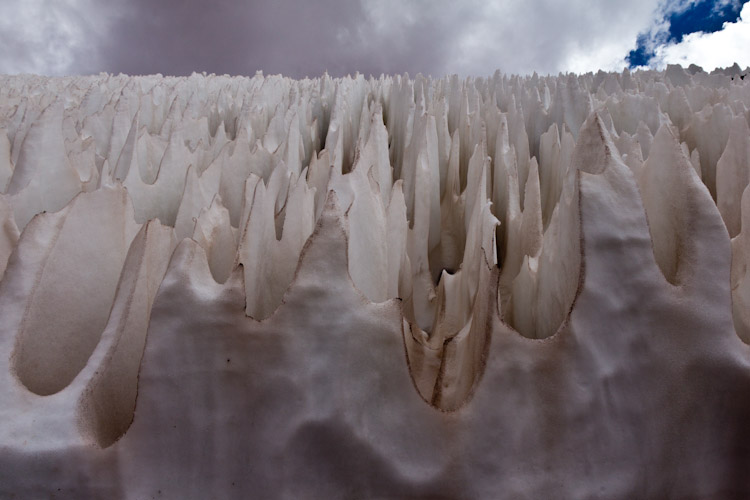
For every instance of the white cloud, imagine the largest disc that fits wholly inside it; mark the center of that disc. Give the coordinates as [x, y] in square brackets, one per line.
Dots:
[547, 36]
[522, 36]
[48, 36]
[712, 50]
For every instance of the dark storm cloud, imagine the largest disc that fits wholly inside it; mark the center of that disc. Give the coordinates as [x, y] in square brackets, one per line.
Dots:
[277, 36]
[303, 38]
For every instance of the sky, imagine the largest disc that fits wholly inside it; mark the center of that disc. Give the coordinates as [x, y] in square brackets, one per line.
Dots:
[301, 38]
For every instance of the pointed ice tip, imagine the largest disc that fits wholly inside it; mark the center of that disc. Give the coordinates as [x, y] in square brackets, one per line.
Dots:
[331, 207]
[324, 257]
[594, 147]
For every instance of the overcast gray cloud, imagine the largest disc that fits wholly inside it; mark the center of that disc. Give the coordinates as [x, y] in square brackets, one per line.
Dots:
[49, 36]
[293, 37]
[301, 37]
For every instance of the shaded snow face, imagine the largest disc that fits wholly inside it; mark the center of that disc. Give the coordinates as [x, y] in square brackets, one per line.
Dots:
[457, 287]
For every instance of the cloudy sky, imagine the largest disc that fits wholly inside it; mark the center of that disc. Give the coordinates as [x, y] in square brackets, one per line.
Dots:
[304, 37]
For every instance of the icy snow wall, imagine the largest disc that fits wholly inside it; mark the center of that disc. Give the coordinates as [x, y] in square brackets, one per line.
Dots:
[512, 287]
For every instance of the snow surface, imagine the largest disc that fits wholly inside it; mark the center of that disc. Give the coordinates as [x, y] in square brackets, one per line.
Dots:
[529, 287]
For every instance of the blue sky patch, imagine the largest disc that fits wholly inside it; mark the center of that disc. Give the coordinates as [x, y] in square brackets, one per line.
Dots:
[705, 16]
